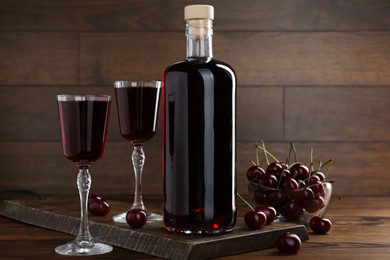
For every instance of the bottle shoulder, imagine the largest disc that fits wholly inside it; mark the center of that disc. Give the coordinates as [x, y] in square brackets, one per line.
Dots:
[196, 64]
[225, 66]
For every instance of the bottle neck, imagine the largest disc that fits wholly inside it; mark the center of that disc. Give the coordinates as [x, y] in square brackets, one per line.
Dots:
[199, 34]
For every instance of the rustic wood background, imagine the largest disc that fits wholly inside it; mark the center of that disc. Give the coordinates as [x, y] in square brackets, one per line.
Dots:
[312, 72]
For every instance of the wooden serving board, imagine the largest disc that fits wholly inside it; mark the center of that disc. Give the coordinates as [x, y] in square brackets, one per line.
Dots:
[62, 214]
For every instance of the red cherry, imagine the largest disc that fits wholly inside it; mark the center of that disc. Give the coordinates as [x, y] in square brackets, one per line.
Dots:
[279, 169]
[286, 173]
[98, 207]
[291, 210]
[93, 197]
[269, 211]
[269, 181]
[315, 204]
[290, 184]
[320, 225]
[260, 197]
[302, 195]
[255, 219]
[320, 175]
[136, 218]
[300, 171]
[314, 180]
[318, 188]
[277, 198]
[274, 168]
[254, 173]
[288, 243]
[284, 165]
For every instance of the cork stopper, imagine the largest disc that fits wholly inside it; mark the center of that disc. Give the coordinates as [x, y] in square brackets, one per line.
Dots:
[199, 12]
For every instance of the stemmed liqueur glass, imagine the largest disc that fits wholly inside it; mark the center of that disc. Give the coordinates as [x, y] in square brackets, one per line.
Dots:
[137, 109]
[83, 120]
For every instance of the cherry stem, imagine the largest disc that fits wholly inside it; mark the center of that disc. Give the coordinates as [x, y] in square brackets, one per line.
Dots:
[246, 202]
[330, 166]
[266, 153]
[311, 160]
[294, 151]
[330, 162]
[331, 206]
[291, 165]
[281, 176]
[319, 165]
[254, 164]
[257, 156]
[312, 171]
[323, 164]
[289, 155]
[308, 178]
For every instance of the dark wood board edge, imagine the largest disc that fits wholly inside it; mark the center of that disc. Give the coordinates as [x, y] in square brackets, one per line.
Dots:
[168, 247]
[245, 243]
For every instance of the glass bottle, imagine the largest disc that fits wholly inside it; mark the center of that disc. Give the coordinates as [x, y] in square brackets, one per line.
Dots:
[199, 117]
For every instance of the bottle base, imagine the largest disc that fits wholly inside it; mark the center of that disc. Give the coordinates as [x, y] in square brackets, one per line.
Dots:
[185, 231]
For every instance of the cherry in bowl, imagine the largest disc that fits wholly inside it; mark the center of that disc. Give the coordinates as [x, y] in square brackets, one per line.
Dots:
[293, 203]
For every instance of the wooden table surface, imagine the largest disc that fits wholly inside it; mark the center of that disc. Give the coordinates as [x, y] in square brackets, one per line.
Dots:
[361, 230]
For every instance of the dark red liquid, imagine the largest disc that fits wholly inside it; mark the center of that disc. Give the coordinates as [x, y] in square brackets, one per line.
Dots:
[137, 109]
[199, 147]
[83, 129]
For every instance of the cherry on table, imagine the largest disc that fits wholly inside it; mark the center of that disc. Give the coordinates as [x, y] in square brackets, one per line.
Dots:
[320, 225]
[98, 206]
[269, 211]
[288, 243]
[136, 218]
[255, 219]
[94, 197]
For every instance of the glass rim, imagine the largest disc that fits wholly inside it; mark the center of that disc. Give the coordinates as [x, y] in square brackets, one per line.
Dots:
[78, 97]
[137, 83]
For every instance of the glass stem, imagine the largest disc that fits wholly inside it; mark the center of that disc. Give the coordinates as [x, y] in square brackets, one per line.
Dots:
[138, 159]
[84, 185]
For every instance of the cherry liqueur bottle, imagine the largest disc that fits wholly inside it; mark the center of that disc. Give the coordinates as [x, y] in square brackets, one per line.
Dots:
[199, 118]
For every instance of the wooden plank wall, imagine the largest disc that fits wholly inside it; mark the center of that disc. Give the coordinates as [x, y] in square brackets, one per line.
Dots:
[312, 72]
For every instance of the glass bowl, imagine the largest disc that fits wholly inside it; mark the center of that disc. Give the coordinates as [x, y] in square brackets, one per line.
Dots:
[295, 205]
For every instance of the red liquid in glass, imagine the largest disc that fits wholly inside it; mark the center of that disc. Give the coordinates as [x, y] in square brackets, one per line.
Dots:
[83, 127]
[137, 109]
[199, 147]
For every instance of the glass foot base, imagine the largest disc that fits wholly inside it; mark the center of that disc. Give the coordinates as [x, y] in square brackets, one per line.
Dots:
[152, 217]
[84, 248]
